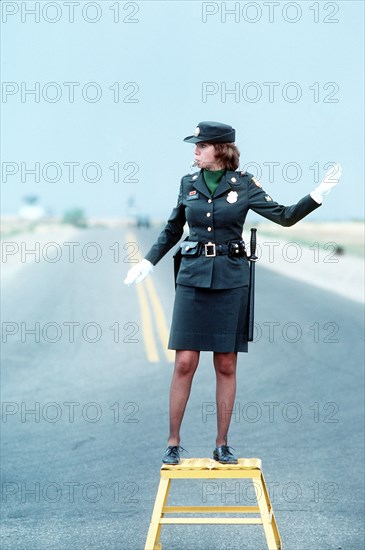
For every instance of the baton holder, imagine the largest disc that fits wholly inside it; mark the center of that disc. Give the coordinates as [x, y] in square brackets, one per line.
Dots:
[205, 468]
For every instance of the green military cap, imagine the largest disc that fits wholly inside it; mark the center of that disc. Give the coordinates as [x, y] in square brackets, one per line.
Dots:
[214, 132]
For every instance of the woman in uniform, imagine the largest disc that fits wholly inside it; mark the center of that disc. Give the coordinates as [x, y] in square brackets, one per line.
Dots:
[211, 299]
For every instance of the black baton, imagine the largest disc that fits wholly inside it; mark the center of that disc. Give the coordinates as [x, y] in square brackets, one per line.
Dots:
[251, 297]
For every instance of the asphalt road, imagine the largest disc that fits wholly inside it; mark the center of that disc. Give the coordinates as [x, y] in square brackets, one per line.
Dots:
[85, 408]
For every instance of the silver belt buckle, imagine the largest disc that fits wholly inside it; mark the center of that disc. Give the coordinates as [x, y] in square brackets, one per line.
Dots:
[209, 250]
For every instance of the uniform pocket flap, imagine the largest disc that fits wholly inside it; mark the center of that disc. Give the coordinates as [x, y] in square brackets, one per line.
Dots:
[190, 248]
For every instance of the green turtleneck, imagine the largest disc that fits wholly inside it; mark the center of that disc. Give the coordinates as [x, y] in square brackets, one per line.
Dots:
[212, 179]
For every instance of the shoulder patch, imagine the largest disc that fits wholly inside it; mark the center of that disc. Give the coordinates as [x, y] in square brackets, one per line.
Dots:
[256, 182]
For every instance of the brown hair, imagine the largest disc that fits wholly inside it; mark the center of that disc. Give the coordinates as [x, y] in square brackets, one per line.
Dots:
[227, 154]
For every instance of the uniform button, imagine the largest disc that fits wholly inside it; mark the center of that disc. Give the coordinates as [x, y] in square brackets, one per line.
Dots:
[209, 228]
[209, 200]
[208, 215]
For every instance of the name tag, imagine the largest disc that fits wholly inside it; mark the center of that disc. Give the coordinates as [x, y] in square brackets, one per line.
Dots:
[192, 196]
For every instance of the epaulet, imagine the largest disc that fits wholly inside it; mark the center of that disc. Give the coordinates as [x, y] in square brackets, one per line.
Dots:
[193, 176]
[245, 173]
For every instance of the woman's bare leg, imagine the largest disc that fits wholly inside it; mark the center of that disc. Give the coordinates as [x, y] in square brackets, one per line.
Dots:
[225, 367]
[186, 362]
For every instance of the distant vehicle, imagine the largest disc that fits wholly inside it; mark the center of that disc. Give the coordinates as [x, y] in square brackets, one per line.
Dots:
[143, 220]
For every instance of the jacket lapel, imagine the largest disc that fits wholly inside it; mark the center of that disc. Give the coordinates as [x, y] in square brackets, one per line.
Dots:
[201, 186]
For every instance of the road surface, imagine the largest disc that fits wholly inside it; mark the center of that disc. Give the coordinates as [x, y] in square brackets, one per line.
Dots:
[85, 383]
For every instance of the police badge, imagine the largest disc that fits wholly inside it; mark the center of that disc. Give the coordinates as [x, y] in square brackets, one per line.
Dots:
[232, 197]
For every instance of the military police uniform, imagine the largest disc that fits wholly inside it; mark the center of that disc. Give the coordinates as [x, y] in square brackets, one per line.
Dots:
[211, 300]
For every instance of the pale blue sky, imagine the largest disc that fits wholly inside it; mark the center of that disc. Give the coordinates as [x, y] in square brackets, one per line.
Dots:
[170, 52]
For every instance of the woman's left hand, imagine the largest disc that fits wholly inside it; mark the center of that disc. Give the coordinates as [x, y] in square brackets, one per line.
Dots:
[327, 184]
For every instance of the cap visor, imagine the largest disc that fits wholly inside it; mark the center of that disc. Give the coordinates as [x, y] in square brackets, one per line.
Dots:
[192, 139]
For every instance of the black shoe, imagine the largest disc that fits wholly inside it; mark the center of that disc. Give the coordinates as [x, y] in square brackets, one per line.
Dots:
[223, 455]
[172, 454]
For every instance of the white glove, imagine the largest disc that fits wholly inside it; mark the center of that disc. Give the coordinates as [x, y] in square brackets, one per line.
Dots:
[138, 272]
[328, 182]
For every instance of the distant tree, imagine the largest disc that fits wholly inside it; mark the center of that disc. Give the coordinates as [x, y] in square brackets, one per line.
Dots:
[76, 217]
[30, 199]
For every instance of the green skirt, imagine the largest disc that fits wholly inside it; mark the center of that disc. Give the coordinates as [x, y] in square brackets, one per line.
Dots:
[207, 319]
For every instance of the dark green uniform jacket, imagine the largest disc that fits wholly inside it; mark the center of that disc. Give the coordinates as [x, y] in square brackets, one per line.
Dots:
[220, 219]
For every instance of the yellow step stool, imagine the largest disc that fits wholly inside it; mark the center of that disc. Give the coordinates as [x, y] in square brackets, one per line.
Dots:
[206, 468]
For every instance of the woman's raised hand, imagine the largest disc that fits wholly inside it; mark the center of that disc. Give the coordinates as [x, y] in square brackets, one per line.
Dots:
[138, 272]
[329, 181]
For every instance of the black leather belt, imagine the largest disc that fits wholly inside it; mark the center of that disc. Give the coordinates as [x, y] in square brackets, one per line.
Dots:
[232, 248]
